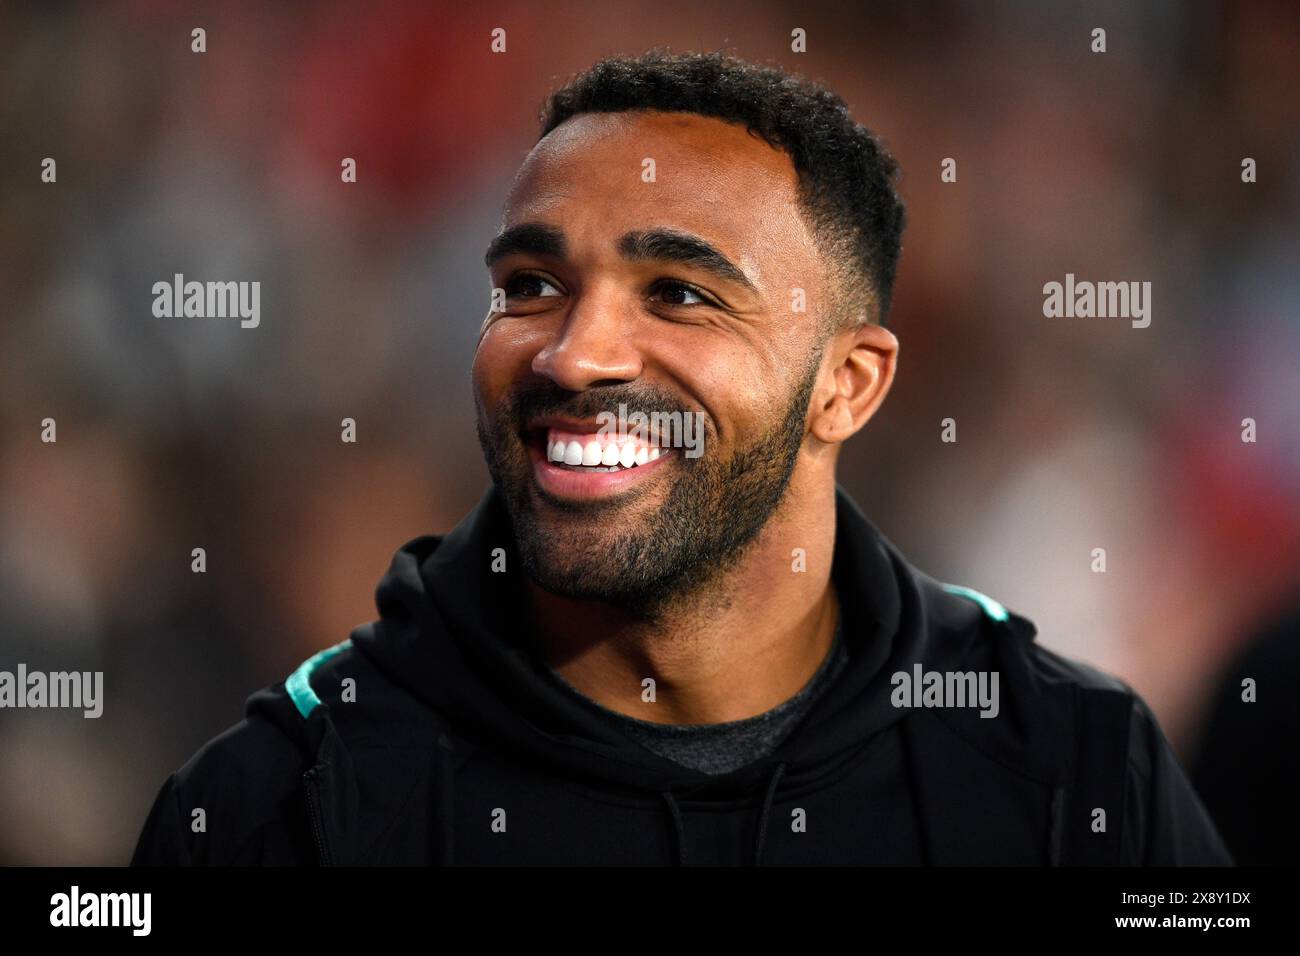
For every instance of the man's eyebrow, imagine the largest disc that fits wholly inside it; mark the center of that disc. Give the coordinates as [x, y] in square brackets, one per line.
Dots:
[672, 246]
[528, 237]
[666, 245]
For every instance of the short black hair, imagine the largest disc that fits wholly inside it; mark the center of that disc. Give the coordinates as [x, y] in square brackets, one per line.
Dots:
[846, 176]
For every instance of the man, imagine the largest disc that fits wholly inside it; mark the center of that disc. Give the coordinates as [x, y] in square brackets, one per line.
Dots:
[665, 636]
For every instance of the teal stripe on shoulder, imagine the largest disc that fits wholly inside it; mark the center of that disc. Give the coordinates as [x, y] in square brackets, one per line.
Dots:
[991, 607]
[299, 682]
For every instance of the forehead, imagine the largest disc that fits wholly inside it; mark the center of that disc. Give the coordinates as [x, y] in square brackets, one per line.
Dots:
[712, 178]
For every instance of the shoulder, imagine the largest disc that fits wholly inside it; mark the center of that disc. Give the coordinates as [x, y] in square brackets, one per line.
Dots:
[1086, 731]
[1059, 709]
[234, 794]
[242, 788]
[240, 797]
[239, 768]
[337, 690]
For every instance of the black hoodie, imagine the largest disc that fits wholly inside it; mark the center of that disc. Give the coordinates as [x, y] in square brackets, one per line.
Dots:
[434, 736]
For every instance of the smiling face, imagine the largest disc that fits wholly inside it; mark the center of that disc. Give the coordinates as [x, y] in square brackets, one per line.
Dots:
[669, 296]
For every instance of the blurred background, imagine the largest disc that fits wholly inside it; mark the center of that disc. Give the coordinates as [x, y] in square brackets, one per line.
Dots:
[1073, 434]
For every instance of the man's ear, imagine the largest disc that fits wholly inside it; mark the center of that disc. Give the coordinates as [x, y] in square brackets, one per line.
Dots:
[861, 368]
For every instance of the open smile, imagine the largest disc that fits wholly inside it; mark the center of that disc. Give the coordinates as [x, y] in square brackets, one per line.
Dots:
[572, 462]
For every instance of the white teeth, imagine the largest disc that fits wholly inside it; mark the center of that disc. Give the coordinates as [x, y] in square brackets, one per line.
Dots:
[602, 456]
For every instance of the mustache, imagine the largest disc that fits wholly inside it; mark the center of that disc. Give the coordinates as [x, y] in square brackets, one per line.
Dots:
[547, 398]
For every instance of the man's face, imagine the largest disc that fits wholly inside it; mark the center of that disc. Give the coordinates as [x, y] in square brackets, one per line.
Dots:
[674, 295]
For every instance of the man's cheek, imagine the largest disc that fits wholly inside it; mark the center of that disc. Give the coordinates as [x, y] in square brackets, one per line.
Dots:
[488, 324]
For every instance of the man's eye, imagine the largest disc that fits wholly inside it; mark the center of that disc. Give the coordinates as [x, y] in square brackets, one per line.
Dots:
[530, 286]
[679, 293]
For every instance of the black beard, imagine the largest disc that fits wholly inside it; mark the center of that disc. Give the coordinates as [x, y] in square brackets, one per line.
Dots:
[714, 510]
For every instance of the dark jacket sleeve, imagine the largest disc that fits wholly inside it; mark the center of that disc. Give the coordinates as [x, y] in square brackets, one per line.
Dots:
[162, 841]
[248, 784]
[1165, 822]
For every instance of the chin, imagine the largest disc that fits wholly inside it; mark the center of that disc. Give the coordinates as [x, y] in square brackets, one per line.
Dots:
[586, 570]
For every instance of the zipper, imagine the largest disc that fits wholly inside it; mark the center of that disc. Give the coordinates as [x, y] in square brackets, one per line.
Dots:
[313, 813]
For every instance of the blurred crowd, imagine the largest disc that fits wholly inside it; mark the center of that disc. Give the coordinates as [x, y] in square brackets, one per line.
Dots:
[1073, 434]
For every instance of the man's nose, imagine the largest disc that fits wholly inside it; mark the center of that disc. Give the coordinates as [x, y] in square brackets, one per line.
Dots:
[593, 347]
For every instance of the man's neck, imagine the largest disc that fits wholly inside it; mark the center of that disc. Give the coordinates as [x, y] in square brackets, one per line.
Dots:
[749, 641]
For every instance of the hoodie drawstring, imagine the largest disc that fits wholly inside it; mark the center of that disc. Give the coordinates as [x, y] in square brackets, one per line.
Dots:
[679, 831]
[760, 837]
[1056, 827]
[444, 780]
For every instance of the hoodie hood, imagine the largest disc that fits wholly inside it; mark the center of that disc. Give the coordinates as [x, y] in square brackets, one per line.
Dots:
[451, 631]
